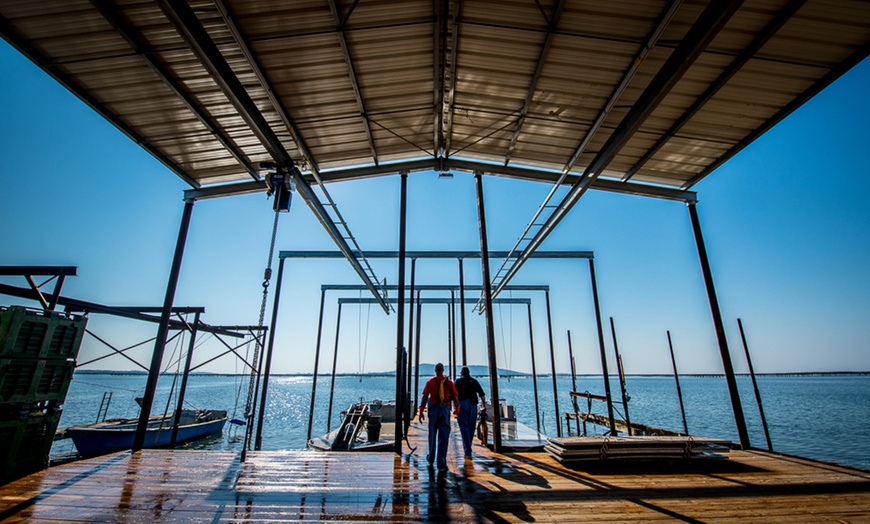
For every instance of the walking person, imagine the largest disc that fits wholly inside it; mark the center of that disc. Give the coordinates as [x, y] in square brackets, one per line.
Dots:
[469, 391]
[438, 394]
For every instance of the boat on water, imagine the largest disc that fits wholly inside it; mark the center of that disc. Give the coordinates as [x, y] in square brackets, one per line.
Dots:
[118, 434]
[365, 426]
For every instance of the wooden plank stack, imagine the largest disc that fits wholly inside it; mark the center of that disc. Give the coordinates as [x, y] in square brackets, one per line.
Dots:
[581, 449]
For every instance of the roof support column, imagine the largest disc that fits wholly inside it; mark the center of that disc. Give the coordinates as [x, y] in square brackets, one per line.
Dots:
[411, 359]
[720, 329]
[316, 363]
[462, 313]
[601, 348]
[535, 371]
[400, 315]
[553, 366]
[490, 331]
[163, 328]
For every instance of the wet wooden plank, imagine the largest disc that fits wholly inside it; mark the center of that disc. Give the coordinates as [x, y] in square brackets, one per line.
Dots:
[194, 486]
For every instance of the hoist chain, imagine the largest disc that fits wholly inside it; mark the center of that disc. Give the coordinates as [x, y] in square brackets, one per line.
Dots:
[267, 277]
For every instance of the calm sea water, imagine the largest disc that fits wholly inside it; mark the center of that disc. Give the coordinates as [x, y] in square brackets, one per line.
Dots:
[821, 417]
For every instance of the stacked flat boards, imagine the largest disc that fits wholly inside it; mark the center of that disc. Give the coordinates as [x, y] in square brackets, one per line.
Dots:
[571, 450]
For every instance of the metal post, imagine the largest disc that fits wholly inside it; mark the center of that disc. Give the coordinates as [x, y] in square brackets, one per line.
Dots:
[755, 386]
[621, 376]
[258, 440]
[679, 391]
[162, 329]
[410, 351]
[249, 431]
[400, 313]
[316, 363]
[553, 366]
[334, 361]
[462, 314]
[417, 349]
[573, 381]
[534, 372]
[720, 329]
[601, 348]
[176, 419]
[449, 371]
[453, 331]
[490, 331]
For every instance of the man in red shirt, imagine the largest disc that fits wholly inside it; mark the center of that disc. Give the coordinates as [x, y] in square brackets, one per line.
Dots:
[439, 393]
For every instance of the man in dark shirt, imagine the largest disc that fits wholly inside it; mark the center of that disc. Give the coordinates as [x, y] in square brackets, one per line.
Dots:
[469, 390]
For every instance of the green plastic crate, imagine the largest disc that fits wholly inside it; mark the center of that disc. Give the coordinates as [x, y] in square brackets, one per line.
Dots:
[28, 333]
[25, 443]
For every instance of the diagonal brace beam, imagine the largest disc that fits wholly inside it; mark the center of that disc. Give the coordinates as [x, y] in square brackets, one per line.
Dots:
[196, 36]
[706, 27]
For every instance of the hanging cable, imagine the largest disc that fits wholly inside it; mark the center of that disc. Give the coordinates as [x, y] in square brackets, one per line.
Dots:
[258, 348]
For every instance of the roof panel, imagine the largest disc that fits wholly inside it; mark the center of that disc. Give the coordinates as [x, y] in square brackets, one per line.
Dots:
[472, 76]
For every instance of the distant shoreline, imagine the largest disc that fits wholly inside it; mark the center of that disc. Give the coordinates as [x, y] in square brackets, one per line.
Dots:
[502, 374]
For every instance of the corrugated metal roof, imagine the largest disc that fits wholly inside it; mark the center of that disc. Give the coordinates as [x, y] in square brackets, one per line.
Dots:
[542, 84]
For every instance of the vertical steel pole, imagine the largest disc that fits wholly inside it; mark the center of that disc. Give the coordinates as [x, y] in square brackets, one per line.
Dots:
[462, 313]
[601, 348]
[258, 440]
[162, 329]
[755, 386]
[176, 419]
[534, 372]
[334, 361]
[453, 330]
[553, 365]
[720, 329]
[400, 313]
[411, 401]
[417, 348]
[449, 371]
[621, 376]
[316, 364]
[490, 331]
[679, 391]
[573, 381]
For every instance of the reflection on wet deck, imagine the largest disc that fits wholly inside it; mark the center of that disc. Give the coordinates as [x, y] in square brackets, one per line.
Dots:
[191, 486]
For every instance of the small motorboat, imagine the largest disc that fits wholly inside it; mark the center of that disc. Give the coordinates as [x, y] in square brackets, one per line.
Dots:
[365, 426]
[118, 434]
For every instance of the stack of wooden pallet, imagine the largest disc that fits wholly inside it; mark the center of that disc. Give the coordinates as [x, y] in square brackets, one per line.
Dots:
[579, 449]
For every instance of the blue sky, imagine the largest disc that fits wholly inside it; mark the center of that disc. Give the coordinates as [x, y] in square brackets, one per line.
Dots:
[786, 224]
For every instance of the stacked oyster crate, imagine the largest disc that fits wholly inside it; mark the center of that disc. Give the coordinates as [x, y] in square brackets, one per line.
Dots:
[37, 359]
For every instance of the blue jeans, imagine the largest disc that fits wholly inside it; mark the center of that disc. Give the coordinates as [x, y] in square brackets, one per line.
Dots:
[439, 433]
[467, 419]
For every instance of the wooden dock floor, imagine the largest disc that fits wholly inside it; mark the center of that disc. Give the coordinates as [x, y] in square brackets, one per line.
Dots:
[213, 486]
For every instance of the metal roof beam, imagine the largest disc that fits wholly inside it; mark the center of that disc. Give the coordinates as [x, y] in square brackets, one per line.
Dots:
[552, 23]
[433, 300]
[431, 287]
[450, 44]
[241, 41]
[835, 73]
[454, 164]
[782, 16]
[133, 313]
[142, 49]
[339, 29]
[651, 41]
[25, 47]
[432, 254]
[702, 32]
[191, 29]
